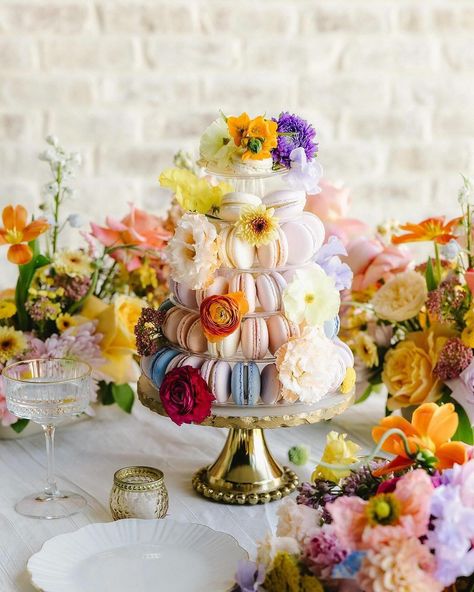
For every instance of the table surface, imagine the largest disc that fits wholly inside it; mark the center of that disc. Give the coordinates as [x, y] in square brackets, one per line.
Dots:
[89, 452]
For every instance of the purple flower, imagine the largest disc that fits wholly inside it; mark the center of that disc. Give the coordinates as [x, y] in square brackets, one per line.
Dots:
[323, 551]
[328, 258]
[249, 576]
[303, 174]
[452, 533]
[297, 133]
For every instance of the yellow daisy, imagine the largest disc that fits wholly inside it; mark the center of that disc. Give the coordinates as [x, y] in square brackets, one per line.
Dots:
[12, 343]
[73, 263]
[65, 321]
[7, 309]
[257, 225]
[366, 350]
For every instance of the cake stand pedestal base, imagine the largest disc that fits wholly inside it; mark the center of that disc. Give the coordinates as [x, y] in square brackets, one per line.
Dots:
[245, 473]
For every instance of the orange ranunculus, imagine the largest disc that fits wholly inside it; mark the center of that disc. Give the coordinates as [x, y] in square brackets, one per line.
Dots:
[431, 229]
[221, 315]
[431, 429]
[16, 232]
[238, 127]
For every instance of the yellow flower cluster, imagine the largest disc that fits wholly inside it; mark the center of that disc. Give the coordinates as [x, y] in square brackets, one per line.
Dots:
[193, 193]
[338, 451]
[285, 576]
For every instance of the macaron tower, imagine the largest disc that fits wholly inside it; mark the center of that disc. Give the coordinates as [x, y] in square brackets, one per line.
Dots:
[251, 311]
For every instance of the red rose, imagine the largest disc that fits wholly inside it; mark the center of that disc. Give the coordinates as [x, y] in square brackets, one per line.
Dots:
[186, 396]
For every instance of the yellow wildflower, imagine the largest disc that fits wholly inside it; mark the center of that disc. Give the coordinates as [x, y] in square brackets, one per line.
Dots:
[7, 309]
[349, 381]
[65, 321]
[147, 276]
[366, 350]
[285, 576]
[467, 336]
[193, 193]
[73, 263]
[12, 343]
[338, 451]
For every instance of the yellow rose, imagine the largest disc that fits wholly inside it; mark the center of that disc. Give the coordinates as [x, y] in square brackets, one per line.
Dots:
[401, 298]
[408, 368]
[338, 451]
[116, 322]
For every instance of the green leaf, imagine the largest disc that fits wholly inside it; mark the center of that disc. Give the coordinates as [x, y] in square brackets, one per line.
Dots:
[105, 394]
[20, 425]
[430, 277]
[365, 395]
[464, 432]
[124, 396]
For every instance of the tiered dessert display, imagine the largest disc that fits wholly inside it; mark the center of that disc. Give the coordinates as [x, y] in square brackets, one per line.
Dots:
[248, 338]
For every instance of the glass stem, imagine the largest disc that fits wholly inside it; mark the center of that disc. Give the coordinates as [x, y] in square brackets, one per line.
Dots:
[51, 487]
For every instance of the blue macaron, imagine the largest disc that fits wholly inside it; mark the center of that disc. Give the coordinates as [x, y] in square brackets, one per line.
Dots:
[166, 305]
[245, 383]
[158, 368]
[331, 327]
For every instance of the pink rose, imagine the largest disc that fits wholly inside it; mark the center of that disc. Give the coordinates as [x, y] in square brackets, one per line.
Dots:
[332, 207]
[371, 261]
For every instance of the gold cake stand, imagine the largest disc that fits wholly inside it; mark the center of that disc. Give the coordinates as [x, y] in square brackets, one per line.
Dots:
[245, 471]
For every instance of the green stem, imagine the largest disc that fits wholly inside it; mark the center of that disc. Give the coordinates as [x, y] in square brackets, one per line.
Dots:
[77, 305]
[469, 237]
[57, 202]
[106, 279]
[438, 263]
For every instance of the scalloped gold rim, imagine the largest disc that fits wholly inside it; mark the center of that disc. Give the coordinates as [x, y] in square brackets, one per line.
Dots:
[148, 395]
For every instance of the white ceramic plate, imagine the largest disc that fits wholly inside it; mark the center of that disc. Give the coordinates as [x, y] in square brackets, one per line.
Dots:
[138, 556]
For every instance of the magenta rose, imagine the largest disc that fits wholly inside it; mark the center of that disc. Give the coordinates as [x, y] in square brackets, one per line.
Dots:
[186, 396]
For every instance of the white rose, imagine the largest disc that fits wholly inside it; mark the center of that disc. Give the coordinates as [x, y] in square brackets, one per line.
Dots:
[401, 298]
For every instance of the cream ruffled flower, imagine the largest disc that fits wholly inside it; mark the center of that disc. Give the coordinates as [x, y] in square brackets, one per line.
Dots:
[72, 263]
[338, 451]
[192, 252]
[399, 565]
[309, 366]
[216, 145]
[401, 298]
[271, 545]
[297, 521]
[311, 297]
[193, 193]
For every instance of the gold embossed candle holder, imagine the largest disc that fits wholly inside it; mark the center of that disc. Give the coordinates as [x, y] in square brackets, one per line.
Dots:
[138, 492]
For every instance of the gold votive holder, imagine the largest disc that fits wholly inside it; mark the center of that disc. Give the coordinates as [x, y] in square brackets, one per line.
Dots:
[138, 492]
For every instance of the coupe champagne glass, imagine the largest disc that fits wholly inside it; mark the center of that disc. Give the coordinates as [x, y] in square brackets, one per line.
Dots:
[47, 392]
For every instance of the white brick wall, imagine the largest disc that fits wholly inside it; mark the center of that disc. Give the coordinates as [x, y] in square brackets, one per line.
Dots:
[388, 83]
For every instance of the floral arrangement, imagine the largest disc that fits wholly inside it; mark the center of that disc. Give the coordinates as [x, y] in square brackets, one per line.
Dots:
[283, 143]
[377, 526]
[79, 303]
[412, 325]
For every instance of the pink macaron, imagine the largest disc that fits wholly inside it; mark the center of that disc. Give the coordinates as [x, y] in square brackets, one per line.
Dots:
[227, 347]
[244, 282]
[190, 334]
[270, 287]
[219, 285]
[287, 203]
[275, 253]
[233, 251]
[183, 294]
[185, 360]
[232, 204]
[300, 242]
[254, 338]
[280, 329]
[172, 320]
[316, 227]
[271, 389]
[217, 374]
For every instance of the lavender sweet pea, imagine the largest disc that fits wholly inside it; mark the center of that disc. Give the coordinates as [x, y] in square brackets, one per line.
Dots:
[328, 258]
[249, 577]
[294, 132]
[304, 174]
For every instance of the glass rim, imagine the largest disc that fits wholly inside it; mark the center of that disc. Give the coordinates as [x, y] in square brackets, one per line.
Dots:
[120, 478]
[86, 365]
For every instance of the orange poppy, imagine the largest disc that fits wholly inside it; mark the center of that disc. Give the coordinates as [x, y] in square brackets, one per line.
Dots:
[16, 232]
[431, 430]
[431, 229]
[238, 127]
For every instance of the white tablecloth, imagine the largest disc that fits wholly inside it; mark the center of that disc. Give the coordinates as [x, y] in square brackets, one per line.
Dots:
[88, 453]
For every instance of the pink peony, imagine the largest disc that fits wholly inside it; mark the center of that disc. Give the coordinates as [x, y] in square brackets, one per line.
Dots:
[371, 261]
[139, 229]
[332, 206]
[411, 500]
